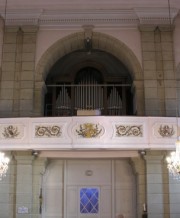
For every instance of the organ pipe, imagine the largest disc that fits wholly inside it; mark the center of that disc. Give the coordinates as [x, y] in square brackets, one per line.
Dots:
[88, 95]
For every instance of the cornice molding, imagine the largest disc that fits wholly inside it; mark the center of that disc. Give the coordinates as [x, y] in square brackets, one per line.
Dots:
[98, 18]
[156, 15]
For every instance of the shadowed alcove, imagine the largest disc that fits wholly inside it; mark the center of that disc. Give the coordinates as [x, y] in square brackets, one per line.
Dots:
[88, 80]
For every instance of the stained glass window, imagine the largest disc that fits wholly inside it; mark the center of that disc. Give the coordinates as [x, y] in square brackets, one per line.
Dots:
[89, 200]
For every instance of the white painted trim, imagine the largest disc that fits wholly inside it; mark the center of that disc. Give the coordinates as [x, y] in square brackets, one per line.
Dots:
[70, 138]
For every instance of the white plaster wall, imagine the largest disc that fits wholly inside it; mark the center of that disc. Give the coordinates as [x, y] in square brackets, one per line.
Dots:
[130, 37]
[47, 37]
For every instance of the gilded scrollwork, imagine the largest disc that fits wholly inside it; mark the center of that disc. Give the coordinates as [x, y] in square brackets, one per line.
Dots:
[48, 131]
[10, 132]
[123, 130]
[89, 130]
[166, 131]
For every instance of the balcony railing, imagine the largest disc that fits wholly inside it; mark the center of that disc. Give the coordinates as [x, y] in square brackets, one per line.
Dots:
[107, 99]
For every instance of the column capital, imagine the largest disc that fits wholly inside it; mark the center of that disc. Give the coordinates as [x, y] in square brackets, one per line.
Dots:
[23, 157]
[166, 28]
[154, 158]
[29, 29]
[147, 28]
[11, 29]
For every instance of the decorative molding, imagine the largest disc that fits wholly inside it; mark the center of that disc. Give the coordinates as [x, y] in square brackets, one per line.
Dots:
[71, 17]
[103, 17]
[129, 130]
[10, 132]
[89, 130]
[166, 130]
[47, 131]
[158, 15]
[98, 18]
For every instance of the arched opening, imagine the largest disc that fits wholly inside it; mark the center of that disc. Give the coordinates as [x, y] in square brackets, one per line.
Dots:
[93, 81]
[65, 58]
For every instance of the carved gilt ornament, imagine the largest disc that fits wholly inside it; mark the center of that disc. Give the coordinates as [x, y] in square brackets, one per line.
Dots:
[48, 131]
[89, 130]
[10, 132]
[166, 131]
[128, 130]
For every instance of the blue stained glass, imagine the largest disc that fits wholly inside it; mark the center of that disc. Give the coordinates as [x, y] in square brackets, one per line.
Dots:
[89, 200]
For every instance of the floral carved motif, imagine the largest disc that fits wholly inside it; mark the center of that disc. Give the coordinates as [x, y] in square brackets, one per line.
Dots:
[48, 131]
[166, 131]
[89, 130]
[122, 130]
[10, 132]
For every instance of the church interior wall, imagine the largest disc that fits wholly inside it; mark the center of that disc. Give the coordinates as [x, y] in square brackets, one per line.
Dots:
[131, 37]
[21, 95]
[176, 41]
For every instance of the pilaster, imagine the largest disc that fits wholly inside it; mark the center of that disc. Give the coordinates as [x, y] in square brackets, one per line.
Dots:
[1, 39]
[39, 93]
[39, 169]
[24, 194]
[140, 171]
[8, 71]
[18, 66]
[158, 64]
[27, 70]
[155, 186]
[138, 98]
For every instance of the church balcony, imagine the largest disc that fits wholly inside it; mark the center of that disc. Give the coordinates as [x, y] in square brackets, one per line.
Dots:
[89, 133]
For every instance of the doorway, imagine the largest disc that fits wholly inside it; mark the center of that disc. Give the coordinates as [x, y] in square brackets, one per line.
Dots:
[89, 189]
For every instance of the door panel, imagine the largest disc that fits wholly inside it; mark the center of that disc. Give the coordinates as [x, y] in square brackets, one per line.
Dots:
[65, 178]
[88, 174]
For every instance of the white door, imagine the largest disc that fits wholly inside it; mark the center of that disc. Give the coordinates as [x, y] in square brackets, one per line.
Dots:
[89, 189]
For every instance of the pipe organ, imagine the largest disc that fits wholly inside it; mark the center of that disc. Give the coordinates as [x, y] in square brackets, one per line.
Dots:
[63, 102]
[88, 94]
[114, 102]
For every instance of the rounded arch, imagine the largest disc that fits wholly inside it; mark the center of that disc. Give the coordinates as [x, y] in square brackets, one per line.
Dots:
[74, 42]
[100, 41]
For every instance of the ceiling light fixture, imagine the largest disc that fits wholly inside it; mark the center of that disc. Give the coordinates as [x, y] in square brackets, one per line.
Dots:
[173, 161]
[4, 161]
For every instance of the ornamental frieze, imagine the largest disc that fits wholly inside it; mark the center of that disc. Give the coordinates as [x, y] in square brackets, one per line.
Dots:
[166, 131]
[129, 130]
[48, 131]
[89, 130]
[10, 132]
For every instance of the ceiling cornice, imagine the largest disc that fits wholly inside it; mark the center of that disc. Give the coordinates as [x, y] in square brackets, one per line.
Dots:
[97, 18]
[156, 15]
